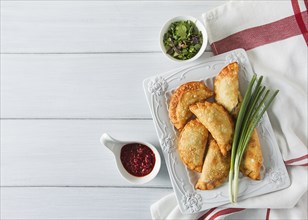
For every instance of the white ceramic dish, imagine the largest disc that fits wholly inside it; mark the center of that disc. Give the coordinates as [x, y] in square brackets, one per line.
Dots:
[200, 27]
[115, 147]
[190, 200]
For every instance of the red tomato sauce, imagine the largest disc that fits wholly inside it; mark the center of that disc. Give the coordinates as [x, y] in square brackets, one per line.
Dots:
[137, 159]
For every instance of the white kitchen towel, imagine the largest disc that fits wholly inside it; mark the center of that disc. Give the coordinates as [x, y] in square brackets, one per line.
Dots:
[275, 37]
[167, 208]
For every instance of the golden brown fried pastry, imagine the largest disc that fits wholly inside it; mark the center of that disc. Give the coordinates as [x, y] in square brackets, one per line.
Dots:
[252, 159]
[192, 143]
[218, 121]
[215, 167]
[186, 95]
[226, 87]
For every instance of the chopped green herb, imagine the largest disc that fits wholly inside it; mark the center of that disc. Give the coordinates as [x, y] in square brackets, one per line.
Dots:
[183, 40]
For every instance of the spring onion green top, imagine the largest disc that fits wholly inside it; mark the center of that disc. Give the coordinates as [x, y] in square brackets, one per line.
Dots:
[255, 102]
[183, 40]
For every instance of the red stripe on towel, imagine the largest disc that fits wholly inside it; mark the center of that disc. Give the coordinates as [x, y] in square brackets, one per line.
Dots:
[303, 165]
[267, 214]
[260, 35]
[288, 162]
[306, 4]
[225, 212]
[206, 214]
[299, 19]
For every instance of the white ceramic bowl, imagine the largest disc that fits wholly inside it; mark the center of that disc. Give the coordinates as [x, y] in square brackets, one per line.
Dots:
[200, 27]
[115, 147]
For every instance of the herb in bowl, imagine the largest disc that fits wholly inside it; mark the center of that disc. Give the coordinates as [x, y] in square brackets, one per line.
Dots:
[183, 40]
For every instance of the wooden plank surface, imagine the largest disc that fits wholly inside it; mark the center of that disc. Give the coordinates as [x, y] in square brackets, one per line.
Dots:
[68, 152]
[70, 71]
[78, 85]
[89, 26]
[78, 203]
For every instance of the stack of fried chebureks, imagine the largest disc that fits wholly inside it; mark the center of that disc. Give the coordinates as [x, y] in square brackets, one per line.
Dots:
[206, 128]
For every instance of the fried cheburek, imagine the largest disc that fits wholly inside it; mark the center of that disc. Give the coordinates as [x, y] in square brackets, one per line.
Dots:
[215, 167]
[226, 87]
[192, 143]
[218, 121]
[186, 95]
[252, 159]
[214, 126]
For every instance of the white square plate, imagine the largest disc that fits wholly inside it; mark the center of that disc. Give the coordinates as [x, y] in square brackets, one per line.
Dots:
[158, 90]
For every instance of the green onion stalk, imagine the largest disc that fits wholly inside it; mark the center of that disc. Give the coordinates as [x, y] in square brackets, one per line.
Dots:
[254, 105]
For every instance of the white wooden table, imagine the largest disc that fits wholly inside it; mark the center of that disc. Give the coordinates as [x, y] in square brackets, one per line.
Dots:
[70, 71]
